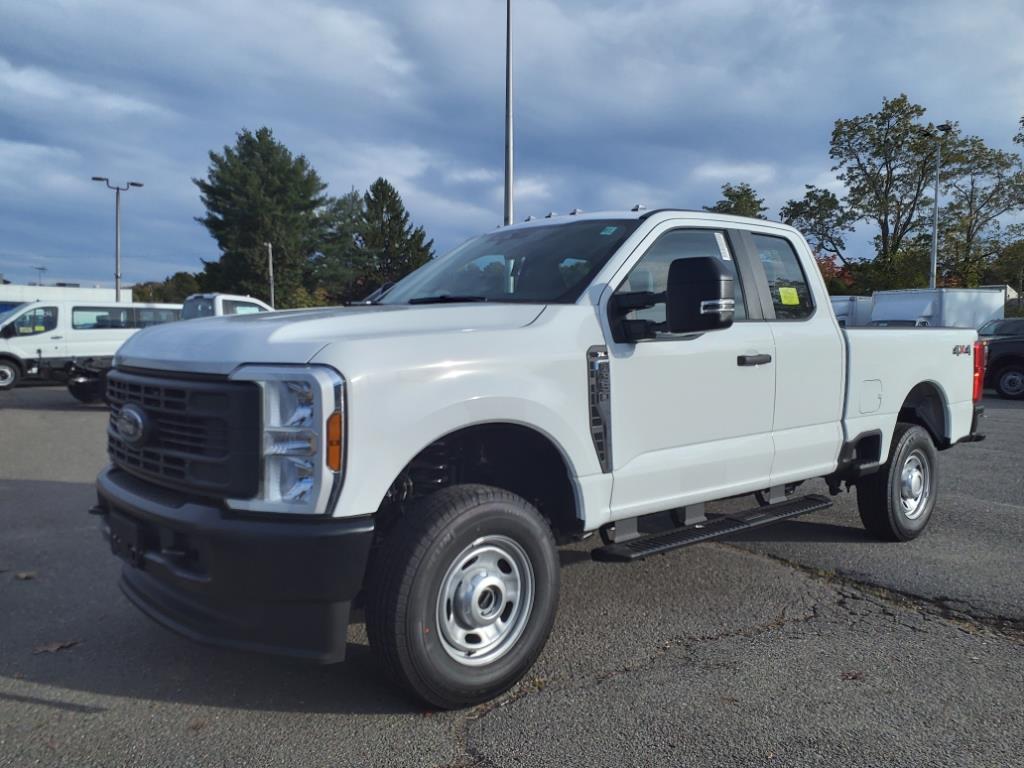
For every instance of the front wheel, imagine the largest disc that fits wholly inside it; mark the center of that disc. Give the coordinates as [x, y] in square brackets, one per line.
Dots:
[462, 595]
[896, 502]
[1010, 381]
[9, 374]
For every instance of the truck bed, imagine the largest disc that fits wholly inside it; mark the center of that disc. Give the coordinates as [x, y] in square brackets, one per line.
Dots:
[883, 366]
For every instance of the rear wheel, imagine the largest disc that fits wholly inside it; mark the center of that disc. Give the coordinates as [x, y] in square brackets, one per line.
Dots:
[1010, 381]
[462, 595]
[896, 502]
[10, 372]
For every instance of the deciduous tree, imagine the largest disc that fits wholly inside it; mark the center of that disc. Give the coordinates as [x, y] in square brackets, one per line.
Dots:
[739, 200]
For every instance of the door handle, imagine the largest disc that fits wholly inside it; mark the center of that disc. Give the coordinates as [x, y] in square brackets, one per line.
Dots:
[56, 338]
[753, 359]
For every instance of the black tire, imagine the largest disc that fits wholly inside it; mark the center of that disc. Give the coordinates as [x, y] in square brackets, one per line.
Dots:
[410, 627]
[1009, 381]
[88, 392]
[889, 507]
[10, 373]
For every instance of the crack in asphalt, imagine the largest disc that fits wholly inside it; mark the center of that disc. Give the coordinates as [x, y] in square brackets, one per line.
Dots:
[848, 590]
[952, 609]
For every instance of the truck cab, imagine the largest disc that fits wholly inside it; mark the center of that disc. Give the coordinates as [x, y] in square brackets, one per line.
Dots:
[219, 304]
[421, 456]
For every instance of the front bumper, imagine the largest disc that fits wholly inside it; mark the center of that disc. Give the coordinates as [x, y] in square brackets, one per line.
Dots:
[267, 584]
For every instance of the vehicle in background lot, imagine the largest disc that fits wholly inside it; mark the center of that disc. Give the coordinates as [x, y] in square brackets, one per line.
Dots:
[939, 308]
[44, 337]
[421, 455]
[852, 311]
[1005, 367]
[994, 329]
[898, 324]
[217, 304]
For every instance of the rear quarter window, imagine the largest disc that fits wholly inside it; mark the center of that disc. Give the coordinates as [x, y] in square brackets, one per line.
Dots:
[791, 296]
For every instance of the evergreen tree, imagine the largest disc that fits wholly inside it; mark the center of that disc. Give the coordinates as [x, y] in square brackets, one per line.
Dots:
[258, 192]
[392, 245]
[739, 200]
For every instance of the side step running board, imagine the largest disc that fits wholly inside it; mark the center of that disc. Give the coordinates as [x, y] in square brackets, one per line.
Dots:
[722, 525]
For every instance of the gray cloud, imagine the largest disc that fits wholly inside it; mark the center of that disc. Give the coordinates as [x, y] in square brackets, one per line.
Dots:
[616, 103]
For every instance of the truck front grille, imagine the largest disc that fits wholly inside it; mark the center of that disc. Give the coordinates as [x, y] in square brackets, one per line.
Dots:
[201, 435]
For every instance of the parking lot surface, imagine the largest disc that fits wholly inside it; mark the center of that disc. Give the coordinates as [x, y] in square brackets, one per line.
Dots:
[801, 644]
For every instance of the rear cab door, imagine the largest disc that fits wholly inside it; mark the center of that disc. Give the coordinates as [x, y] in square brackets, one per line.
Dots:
[690, 419]
[810, 365]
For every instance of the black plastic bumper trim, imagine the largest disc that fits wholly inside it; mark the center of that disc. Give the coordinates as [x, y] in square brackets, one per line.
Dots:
[278, 585]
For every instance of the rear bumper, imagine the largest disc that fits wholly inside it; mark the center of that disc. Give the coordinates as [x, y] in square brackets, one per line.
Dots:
[270, 585]
[976, 435]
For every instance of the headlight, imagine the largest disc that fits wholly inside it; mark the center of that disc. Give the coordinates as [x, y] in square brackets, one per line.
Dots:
[303, 448]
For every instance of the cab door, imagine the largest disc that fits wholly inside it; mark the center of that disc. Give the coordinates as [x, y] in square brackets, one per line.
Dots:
[691, 415]
[39, 332]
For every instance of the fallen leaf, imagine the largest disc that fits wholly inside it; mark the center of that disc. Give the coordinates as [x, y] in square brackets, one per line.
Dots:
[851, 675]
[196, 724]
[25, 575]
[60, 645]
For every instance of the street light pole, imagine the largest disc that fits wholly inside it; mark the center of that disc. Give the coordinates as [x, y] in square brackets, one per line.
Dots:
[270, 270]
[508, 112]
[117, 228]
[941, 130]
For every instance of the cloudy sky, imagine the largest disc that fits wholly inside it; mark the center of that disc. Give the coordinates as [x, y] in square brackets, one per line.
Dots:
[616, 103]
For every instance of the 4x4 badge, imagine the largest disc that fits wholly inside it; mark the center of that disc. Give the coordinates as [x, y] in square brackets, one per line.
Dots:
[962, 349]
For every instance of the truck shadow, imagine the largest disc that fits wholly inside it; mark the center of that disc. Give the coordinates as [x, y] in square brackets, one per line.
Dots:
[58, 585]
[802, 531]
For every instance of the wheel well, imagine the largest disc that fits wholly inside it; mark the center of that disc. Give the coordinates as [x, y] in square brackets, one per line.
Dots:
[926, 407]
[16, 361]
[1003, 362]
[510, 456]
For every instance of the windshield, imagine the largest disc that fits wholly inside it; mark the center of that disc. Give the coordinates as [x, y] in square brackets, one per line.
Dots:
[197, 307]
[6, 311]
[543, 265]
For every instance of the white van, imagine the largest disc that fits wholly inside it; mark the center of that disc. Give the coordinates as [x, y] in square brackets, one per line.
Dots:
[42, 337]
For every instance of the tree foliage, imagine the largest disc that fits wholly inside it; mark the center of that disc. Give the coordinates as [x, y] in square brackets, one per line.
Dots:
[326, 249]
[393, 245]
[258, 192]
[739, 200]
[174, 290]
[822, 219]
[982, 185]
[884, 159]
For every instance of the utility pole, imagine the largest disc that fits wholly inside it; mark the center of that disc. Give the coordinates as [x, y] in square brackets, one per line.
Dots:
[941, 130]
[117, 228]
[270, 271]
[508, 112]
[40, 270]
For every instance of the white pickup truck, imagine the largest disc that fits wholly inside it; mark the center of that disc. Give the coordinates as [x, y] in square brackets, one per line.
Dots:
[421, 456]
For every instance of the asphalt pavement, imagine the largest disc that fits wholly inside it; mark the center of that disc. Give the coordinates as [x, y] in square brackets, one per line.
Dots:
[802, 644]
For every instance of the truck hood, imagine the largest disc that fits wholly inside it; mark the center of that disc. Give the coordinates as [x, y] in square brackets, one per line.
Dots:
[218, 345]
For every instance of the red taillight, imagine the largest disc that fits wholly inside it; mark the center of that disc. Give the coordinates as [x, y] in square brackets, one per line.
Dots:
[980, 355]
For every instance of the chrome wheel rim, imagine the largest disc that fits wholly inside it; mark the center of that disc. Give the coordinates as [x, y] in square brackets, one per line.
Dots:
[6, 375]
[485, 600]
[914, 481]
[1012, 382]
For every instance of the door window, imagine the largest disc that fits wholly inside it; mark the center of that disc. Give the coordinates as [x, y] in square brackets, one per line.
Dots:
[38, 320]
[791, 296]
[241, 307]
[651, 272]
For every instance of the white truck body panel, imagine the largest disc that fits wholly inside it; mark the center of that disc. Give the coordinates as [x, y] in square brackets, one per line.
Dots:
[687, 424]
[942, 307]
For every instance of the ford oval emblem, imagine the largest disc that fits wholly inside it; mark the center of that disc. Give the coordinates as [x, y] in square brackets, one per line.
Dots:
[131, 424]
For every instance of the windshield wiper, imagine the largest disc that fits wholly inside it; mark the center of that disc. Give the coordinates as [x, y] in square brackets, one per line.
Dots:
[446, 298]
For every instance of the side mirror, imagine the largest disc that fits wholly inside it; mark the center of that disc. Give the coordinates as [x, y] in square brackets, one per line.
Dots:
[700, 295]
[7, 332]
